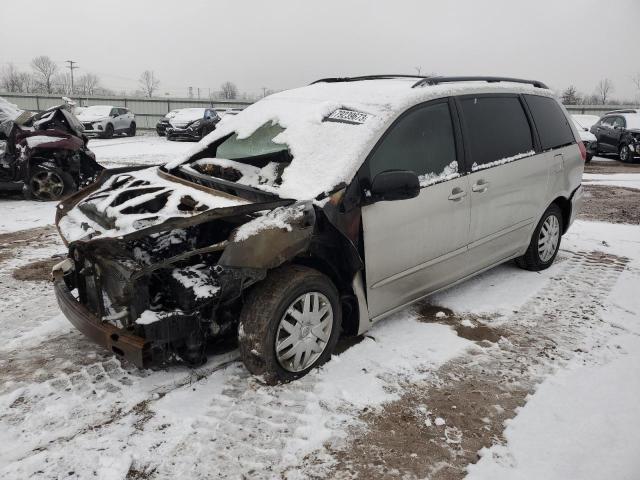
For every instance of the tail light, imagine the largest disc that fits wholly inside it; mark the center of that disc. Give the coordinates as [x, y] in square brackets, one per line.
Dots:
[583, 151]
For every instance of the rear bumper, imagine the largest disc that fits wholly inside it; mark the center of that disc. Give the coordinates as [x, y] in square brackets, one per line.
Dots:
[130, 347]
[576, 204]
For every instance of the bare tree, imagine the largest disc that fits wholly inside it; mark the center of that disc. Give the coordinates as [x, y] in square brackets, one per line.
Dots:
[603, 89]
[88, 83]
[10, 79]
[44, 70]
[62, 83]
[229, 90]
[149, 83]
[636, 81]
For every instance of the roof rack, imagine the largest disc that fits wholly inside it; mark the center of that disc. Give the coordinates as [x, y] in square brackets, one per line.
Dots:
[366, 77]
[439, 80]
[625, 110]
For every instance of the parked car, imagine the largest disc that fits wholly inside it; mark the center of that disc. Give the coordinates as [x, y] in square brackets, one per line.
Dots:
[192, 124]
[44, 155]
[163, 123]
[618, 132]
[301, 219]
[106, 120]
[583, 124]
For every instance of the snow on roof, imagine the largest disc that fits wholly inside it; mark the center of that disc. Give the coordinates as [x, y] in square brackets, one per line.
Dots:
[327, 153]
[8, 111]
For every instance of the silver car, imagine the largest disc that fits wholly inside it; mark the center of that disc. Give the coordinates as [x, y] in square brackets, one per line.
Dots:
[317, 212]
[106, 120]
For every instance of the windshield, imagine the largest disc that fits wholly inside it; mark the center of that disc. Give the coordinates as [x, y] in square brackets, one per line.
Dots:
[258, 143]
[96, 111]
[633, 121]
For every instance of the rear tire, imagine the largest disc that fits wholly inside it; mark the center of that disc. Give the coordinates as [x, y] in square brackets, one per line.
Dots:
[283, 331]
[545, 241]
[131, 132]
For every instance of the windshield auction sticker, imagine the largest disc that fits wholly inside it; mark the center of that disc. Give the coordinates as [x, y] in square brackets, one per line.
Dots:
[348, 116]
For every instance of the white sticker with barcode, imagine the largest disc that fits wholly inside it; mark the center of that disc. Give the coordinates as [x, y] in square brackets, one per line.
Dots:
[348, 116]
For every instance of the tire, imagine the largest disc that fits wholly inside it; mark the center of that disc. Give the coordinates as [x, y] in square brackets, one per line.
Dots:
[266, 323]
[131, 131]
[108, 131]
[160, 133]
[589, 158]
[534, 259]
[625, 153]
[47, 182]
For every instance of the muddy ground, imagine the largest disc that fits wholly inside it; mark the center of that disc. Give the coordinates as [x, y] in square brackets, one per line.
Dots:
[614, 166]
[611, 204]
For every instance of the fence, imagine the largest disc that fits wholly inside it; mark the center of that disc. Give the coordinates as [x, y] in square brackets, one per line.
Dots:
[147, 110]
[598, 110]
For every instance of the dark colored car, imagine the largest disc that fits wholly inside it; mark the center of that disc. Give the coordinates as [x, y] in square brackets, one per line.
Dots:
[192, 124]
[163, 123]
[618, 132]
[44, 155]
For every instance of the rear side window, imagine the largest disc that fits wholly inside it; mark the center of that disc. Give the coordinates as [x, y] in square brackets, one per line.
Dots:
[619, 122]
[551, 123]
[496, 128]
[422, 141]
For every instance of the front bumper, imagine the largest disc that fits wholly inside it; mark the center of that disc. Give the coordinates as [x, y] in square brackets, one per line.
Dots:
[130, 347]
[183, 133]
[93, 129]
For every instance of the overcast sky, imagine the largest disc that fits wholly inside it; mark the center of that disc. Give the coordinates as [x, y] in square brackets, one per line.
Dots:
[282, 44]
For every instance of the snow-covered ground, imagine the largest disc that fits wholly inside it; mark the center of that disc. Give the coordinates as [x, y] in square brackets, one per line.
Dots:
[630, 180]
[70, 410]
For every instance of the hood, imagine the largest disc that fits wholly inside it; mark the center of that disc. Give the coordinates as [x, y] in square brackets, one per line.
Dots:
[91, 118]
[186, 116]
[132, 201]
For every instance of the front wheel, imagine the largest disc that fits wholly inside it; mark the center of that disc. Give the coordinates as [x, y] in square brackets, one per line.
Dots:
[625, 153]
[545, 241]
[131, 132]
[47, 183]
[289, 324]
[108, 131]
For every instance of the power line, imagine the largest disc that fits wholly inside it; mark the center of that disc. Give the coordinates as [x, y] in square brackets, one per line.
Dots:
[71, 67]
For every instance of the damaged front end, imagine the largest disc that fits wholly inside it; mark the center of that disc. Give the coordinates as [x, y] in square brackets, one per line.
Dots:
[156, 267]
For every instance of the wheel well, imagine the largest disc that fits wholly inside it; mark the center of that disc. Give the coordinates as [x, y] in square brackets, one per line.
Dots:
[565, 208]
[350, 317]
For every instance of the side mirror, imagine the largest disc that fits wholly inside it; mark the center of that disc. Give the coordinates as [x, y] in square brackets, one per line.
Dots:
[395, 185]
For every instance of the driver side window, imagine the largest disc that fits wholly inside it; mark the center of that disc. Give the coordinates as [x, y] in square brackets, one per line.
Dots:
[422, 141]
[618, 122]
[113, 112]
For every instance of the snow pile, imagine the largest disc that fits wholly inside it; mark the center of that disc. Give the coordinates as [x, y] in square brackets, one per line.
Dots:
[449, 173]
[279, 218]
[8, 111]
[475, 167]
[328, 153]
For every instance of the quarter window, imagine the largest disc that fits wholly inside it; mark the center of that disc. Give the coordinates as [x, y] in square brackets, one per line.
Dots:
[551, 122]
[422, 141]
[496, 128]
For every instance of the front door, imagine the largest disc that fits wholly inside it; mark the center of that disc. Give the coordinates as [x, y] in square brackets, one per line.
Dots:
[413, 247]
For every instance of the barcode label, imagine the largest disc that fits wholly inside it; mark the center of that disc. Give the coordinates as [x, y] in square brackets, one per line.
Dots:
[348, 116]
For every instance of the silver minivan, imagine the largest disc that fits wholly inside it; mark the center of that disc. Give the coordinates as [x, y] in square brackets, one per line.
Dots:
[316, 212]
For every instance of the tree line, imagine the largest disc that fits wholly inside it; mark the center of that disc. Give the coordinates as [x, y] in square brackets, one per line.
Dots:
[602, 95]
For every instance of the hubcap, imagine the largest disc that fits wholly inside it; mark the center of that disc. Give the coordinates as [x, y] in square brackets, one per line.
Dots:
[548, 238]
[624, 153]
[304, 331]
[47, 185]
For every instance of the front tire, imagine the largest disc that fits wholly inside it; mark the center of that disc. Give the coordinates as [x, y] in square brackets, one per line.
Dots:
[289, 324]
[131, 132]
[545, 241]
[625, 153]
[108, 131]
[47, 182]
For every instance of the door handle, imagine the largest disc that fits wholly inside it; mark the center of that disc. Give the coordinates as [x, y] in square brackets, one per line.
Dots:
[457, 194]
[480, 186]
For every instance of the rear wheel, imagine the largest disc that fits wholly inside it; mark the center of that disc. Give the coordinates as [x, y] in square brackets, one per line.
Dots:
[545, 241]
[48, 182]
[131, 132]
[289, 324]
[625, 153]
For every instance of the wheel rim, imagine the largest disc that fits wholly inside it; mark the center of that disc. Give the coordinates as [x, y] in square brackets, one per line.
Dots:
[624, 153]
[548, 238]
[47, 185]
[304, 331]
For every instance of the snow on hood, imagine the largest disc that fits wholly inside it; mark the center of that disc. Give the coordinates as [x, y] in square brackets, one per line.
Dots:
[139, 187]
[328, 153]
[186, 116]
[37, 140]
[93, 113]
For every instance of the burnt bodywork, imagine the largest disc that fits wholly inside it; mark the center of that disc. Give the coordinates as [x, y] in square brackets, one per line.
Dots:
[161, 292]
[51, 143]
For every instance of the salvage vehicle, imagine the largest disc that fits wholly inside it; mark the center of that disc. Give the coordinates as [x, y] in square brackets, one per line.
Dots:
[588, 139]
[316, 212]
[163, 123]
[43, 155]
[104, 121]
[192, 124]
[618, 132]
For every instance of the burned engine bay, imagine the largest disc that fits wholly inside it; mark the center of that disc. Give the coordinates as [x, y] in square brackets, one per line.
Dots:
[168, 262]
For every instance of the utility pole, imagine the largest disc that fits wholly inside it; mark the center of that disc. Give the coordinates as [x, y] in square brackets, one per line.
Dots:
[71, 67]
[264, 92]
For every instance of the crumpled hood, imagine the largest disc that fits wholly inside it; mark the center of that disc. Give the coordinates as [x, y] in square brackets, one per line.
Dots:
[136, 200]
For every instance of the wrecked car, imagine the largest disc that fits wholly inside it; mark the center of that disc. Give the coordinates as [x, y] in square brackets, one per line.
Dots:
[43, 155]
[316, 212]
[192, 124]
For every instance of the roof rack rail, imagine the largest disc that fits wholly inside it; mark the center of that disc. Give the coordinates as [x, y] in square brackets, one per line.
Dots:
[439, 80]
[366, 77]
[624, 110]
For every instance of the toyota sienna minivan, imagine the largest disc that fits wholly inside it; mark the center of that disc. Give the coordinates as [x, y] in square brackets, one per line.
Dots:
[316, 212]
